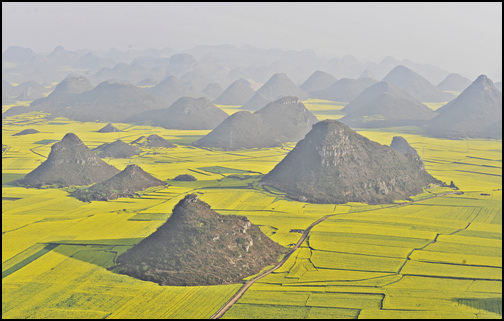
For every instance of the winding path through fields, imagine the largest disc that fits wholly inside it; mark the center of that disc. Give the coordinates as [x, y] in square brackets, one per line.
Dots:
[248, 283]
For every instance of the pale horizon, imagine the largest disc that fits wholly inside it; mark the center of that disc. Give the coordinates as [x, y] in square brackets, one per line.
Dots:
[464, 38]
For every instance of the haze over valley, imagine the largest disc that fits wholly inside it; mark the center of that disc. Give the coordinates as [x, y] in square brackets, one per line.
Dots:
[251, 160]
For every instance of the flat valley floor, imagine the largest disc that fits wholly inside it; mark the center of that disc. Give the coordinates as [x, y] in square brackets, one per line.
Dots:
[437, 256]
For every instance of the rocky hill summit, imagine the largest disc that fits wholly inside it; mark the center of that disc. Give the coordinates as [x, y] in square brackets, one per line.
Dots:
[70, 162]
[117, 149]
[198, 246]
[476, 112]
[125, 184]
[284, 120]
[334, 164]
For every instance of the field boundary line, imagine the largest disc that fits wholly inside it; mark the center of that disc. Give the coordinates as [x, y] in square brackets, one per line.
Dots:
[249, 283]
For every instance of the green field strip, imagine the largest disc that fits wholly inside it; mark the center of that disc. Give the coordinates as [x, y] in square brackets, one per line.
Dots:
[28, 260]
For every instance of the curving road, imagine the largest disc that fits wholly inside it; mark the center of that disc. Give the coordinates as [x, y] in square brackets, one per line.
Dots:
[248, 283]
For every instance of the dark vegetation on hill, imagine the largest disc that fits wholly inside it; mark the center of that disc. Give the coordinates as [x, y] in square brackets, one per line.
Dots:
[284, 120]
[125, 184]
[238, 93]
[416, 85]
[185, 113]
[70, 162]
[334, 164]
[384, 105]
[476, 112]
[26, 132]
[152, 141]
[185, 178]
[117, 149]
[197, 246]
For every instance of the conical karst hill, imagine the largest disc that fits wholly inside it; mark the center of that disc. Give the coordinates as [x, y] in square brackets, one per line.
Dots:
[238, 93]
[70, 162]
[26, 132]
[117, 149]
[198, 246]
[476, 112]
[63, 94]
[126, 183]
[416, 85]
[454, 82]
[213, 90]
[319, 80]
[110, 101]
[385, 105]
[152, 141]
[171, 89]
[284, 120]
[279, 85]
[345, 89]
[185, 113]
[334, 164]
[109, 128]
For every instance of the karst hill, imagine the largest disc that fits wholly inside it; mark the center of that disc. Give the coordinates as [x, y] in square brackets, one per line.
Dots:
[109, 128]
[238, 93]
[125, 184]
[70, 162]
[279, 85]
[284, 120]
[334, 164]
[384, 105]
[153, 141]
[185, 113]
[110, 101]
[198, 246]
[476, 112]
[416, 85]
[117, 149]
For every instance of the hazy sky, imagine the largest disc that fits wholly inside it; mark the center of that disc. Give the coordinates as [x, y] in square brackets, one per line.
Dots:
[455, 36]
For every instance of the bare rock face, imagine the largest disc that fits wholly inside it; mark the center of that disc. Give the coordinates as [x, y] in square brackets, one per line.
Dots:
[197, 246]
[70, 162]
[334, 164]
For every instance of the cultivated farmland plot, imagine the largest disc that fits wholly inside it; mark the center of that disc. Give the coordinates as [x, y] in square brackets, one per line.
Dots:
[432, 257]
